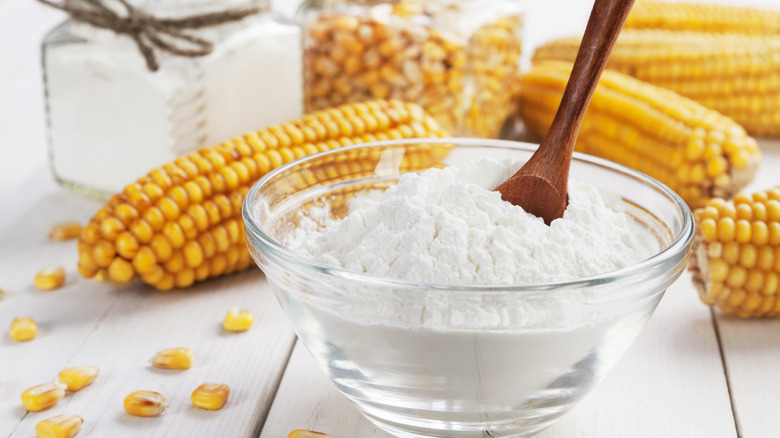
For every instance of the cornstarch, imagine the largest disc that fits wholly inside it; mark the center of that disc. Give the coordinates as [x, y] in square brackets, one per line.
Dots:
[447, 226]
[493, 345]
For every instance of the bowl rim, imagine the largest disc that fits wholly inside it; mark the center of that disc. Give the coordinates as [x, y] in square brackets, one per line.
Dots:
[675, 252]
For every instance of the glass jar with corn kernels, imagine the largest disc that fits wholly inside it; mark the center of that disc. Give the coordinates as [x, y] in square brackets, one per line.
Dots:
[457, 58]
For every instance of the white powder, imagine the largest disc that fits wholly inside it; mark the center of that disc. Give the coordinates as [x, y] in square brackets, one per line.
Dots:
[447, 226]
[111, 120]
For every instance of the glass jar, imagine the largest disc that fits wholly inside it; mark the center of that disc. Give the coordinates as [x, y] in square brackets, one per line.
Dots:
[456, 58]
[111, 119]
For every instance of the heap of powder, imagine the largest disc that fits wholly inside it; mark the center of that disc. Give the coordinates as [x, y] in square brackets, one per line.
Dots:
[447, 226]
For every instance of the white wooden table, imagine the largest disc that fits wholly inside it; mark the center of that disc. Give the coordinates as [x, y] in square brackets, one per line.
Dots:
[692, 372]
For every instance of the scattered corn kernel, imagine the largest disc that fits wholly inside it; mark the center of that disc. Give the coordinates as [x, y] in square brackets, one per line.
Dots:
[43, 396]
[2, 294]
[146, 404]
[238, 320]
[210, 396]
[173, 359]
[307, 434]
[65, 231]
[50, 278]
[61, 426]
[76, 378]
[23, 328]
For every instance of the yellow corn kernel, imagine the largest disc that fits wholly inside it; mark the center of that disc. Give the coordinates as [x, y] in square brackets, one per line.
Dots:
[145, 403]
[65, 231]
[60, 426]
[120, 271]
[210, 396]
[76, 378]
[173, 359]
[23, 328]
[126, 245]
[238, 320]
[307, 434]
[50, 278]
[2, 294]
[43, 396]
[103, 252]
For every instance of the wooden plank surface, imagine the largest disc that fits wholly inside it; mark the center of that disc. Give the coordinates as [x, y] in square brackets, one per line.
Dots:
[751, 348]
[308, 400]
[118, 329]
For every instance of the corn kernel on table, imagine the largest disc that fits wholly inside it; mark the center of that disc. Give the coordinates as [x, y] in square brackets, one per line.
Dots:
[693, 372]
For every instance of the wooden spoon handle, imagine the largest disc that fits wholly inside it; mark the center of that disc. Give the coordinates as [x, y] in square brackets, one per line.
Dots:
[604, 25]
[540, 186]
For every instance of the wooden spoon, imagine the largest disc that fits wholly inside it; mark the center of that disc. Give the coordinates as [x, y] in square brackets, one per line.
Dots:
[540, 185]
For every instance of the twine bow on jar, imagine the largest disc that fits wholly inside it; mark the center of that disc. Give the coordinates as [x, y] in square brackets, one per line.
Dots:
[148, 31]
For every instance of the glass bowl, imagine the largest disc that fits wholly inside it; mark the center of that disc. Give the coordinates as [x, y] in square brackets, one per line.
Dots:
[410, 356]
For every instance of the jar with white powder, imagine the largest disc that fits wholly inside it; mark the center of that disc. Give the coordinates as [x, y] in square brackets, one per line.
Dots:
[111, 118]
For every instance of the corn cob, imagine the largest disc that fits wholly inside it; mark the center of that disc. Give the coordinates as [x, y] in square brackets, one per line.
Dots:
[695, 151]
[736, 254]
[736, 75]
[703, 17]
[182, 222]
